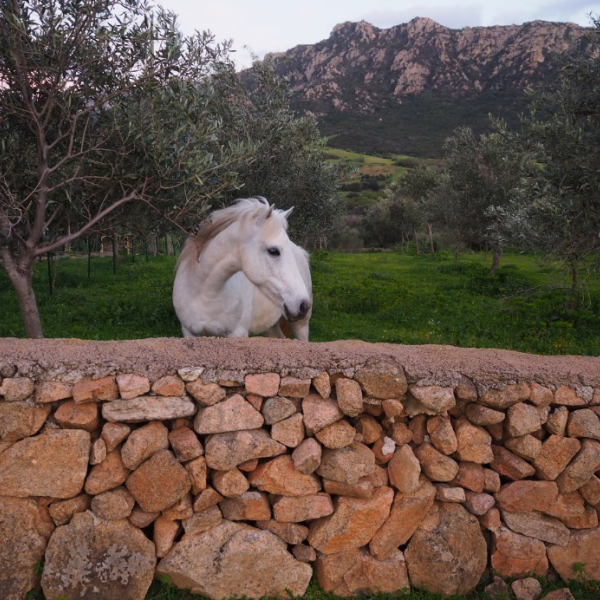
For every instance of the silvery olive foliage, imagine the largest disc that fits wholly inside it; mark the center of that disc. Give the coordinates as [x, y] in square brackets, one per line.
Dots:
[288, 165]
[483, 173]
[558, 211]
[111, 120]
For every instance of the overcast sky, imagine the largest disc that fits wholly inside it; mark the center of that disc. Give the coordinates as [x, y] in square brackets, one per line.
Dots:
[277, 25]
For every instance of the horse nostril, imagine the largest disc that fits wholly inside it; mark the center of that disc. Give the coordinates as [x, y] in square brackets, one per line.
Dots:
[304, 306]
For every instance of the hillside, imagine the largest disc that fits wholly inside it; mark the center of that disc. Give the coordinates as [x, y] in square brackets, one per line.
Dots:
[404, 89]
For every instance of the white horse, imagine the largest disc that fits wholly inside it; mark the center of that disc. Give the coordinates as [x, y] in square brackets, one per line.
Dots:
[241, 274]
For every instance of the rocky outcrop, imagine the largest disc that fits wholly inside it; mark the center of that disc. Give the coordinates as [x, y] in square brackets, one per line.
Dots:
[361, 68]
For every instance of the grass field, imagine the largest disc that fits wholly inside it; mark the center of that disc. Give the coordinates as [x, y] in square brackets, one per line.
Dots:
[384, 297]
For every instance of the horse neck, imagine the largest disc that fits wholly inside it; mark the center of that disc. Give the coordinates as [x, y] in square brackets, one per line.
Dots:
[220, 259]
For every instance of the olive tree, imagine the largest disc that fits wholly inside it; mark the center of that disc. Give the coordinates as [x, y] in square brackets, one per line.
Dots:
[483, 173]
[558, 211]
[104, 105]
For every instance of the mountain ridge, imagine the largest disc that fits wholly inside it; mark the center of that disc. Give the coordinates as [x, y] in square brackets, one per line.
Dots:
[362, 73]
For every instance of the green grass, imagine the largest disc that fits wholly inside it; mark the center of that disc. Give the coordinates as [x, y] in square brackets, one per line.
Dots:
[384, 297]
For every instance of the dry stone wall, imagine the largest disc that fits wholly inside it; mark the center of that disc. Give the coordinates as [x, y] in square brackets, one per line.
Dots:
[246, 467]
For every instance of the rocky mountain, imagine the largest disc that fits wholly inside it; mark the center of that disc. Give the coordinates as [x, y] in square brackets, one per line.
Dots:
[404, 89]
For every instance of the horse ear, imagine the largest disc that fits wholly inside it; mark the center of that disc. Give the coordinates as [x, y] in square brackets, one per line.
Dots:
[270, 212]
[287, 213]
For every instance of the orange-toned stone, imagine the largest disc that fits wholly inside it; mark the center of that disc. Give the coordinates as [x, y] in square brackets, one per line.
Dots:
[319, 412]
[203, 521]
[159, 482]
[583, 549]
[588, 520]
[185, 444]
[322, 384]
[279, 476]
[250, 506]
[567, 396]
[249, 465]
[52, 391]
[393, 408]
[62, 511]
[540, 395]
[556, 454]
[289, 432]
[290, 509]
[362, 489]
[290, 533]
[78, 416]
[384, 449]
[473, 443]
[382, 377]
[353, 523]
[109, 474]
[448, 553]
[406, 514]
[16, 389]
[355, 572]
[207, 498]
[337, 435]
[113, 434]
[142, 443]
[470, 476]
[581, 468]
[230, 483]
[182, 509]
[132, 386]
[515, 555]
[369, 428]
[418, 428]
[164, 534]
[169, 385]
[526, 496]
[437, 466]
[262, 384]
[510, 465]
[509, 395]
[404, 470]
[566, 506]
[401, 434]
[491, 519]
[142, 519]
[349, 396]
[348, 464]
[294, 387]
[442, 434]
[206, 394]
[466, 390]
[95, 390]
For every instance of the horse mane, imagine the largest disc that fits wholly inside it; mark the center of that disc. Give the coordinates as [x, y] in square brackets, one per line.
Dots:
[244, 209]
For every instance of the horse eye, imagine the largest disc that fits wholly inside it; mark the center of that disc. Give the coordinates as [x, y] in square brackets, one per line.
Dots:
[273, 251]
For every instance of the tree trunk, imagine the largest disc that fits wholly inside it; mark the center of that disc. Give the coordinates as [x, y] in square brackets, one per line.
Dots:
[169, 243]
[496, 257]
[115, 251]
[417, 247]
[21, 277]
[431, 238]
[573, 298]
[402, 242]
[456, 252]
[89, 265]
[49, 261]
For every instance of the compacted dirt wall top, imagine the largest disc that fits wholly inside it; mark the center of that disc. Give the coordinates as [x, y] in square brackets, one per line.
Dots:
[432, 365]
[246, 467]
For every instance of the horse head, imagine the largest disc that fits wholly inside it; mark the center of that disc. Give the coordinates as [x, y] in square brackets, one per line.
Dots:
[269, 260]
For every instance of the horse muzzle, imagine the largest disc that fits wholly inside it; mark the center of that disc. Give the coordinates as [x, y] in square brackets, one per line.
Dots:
[299, 313]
